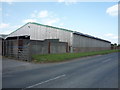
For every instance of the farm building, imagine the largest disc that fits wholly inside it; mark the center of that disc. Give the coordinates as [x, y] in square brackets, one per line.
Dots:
[1, 44]
[34, 38]
[2, 49]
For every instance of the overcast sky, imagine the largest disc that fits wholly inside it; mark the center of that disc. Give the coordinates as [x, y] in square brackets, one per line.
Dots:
[99, 19]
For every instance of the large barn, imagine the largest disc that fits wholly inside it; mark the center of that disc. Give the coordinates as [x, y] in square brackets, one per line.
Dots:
[48, 39]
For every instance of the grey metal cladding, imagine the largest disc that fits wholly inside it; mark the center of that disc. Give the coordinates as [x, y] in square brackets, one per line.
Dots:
[41, 32]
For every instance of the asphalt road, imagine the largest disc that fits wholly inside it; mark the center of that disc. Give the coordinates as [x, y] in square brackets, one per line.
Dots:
[91, 72]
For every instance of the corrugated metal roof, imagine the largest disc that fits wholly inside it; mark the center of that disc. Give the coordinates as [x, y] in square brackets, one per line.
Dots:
[51, 26]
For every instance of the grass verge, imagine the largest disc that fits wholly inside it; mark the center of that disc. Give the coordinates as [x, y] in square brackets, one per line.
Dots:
[67, 56]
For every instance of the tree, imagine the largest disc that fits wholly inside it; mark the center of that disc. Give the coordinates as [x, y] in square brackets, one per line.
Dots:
[118, 46]
[114, 46]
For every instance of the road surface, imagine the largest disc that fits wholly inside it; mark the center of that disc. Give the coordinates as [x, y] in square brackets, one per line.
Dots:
[99, 71]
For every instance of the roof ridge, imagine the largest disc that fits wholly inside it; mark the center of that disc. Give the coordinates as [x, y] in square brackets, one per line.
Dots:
[51, 26]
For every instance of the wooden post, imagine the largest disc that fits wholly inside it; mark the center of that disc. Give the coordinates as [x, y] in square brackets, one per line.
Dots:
[18, 47]
[49, 47]
[67, 47]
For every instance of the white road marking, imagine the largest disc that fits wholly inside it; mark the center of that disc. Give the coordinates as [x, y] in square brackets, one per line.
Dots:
[46, 81]
[106, 60]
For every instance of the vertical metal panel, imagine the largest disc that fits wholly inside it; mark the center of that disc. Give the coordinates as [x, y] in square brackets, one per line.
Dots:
[22, 31]
[40, 33]
[81, 41]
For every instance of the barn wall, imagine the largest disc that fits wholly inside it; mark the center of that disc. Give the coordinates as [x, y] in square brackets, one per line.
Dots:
[38, 47]
[38, 32]
[76, 43]
[17, 52]
[2, 47]
[11, 48]
[23, 49]
[1, 41]
[58, 47]
[47, 46]
[22, 31]
[85, 44]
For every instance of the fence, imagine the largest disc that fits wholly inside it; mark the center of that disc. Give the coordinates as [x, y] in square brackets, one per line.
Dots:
[23, 49]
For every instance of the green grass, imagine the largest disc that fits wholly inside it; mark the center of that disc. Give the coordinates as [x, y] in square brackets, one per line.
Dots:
[67, 56]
